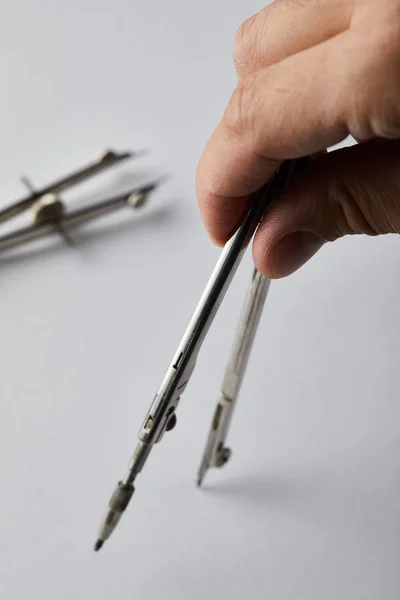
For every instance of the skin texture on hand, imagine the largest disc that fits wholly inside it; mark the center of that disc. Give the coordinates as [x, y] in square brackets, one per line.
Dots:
[310, 73]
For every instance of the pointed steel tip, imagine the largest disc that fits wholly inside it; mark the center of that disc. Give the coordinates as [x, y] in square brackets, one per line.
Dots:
[200, 478]
[98, 545]
[110, 154]
[161, 180]
[150, 187]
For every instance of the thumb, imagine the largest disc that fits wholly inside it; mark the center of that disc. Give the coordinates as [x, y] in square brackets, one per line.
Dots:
[353, 190]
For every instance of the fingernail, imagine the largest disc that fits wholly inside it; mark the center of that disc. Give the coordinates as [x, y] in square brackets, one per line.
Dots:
[293, 251]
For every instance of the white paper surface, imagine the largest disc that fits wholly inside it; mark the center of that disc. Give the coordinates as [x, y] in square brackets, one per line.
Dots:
[309, 506]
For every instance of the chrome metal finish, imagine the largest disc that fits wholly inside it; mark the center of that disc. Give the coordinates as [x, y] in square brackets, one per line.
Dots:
[56, 221]
[105, 161]
[161, 415]
[216, 454]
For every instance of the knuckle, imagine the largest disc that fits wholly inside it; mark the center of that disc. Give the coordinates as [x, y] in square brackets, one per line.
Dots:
[376, 104]
[263, 26]
[244, 44]
[386, 123]
[243, 115]
[350, 216]
[238, 114]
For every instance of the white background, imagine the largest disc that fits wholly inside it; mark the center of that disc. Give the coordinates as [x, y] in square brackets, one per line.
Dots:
[308, 509]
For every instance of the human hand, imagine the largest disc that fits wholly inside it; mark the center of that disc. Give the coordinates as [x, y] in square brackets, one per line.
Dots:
[310, 73]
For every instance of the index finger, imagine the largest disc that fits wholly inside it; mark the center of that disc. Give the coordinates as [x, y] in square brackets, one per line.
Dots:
[297, 107]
